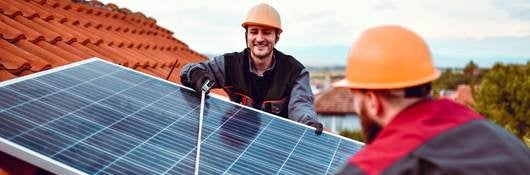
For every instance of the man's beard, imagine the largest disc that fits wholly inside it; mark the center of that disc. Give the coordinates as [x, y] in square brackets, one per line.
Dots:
[370, 127]
[262, 56]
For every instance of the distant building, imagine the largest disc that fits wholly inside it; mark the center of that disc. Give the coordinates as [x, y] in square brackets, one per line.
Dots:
[462, 94]
[335, 109]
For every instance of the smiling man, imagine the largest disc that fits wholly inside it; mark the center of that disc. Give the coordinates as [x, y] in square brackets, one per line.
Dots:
[260, 76]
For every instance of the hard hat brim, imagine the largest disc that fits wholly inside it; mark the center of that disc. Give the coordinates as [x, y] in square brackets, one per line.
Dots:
[246, 24]
[344, 83]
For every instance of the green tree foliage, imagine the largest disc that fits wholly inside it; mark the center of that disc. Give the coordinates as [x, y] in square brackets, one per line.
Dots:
[471, 69]
[355, 135]
[451, 80]
[504, 97]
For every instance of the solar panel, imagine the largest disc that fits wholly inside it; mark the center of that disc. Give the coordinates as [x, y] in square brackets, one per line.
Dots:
[94, 117]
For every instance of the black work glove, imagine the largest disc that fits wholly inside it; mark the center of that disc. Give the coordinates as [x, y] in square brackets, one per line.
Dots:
[318, 127]
[197, 78]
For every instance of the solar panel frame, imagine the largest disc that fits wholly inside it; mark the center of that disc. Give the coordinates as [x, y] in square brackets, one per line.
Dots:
[60, 168]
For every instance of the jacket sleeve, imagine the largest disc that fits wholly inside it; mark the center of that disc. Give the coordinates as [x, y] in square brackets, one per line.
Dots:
[215, 67]
[301, 107]
[350, 169]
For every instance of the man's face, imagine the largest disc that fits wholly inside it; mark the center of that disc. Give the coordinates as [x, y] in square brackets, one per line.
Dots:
[261, 40]
[369, 126]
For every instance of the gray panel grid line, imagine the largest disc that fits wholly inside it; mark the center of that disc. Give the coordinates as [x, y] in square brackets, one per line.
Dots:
[213, 132]
[33, 99]
[333, 157]
[42, 125]
[294, 148]
[107, 126]
[127, 98]
[119, 158]
[248, 146]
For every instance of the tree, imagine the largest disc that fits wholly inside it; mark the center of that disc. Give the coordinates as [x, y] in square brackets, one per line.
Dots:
[449, 80]
[471, 69]
[504, 97]
[355, 135]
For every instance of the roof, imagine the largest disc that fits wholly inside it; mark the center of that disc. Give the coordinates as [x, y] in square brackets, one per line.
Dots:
[334, 101]
[41, 34]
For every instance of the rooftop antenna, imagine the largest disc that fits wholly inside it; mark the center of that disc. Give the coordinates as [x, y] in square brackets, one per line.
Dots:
[172, 68]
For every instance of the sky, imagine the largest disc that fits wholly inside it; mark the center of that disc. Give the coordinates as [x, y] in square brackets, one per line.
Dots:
[320, 33]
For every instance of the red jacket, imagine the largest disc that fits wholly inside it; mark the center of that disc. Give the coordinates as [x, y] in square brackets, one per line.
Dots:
[441, 137]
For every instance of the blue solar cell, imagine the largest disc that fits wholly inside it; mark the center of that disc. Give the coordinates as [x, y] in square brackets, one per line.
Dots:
[100, 118]
[85, 158]
[43, 140]
[138, 94]
[111, 84]
[123, 166]
[158, 86]
[37, 112]
[81, 73]
[136, 128]
[11, 125]
[100, 67]
[130, 76]
[65, 101]
[122, 104]
[155, 158]
[32, 88]
[90, 92]
[100, 114]
[74, 126]
[58, 80]
[113, 142]
[175, 105]
[186, 166]
[10, 98]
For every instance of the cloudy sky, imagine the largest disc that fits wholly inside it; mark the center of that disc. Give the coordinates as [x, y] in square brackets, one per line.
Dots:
[321, 32]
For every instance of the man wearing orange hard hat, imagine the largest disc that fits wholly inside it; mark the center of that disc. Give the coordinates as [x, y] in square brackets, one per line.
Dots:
[390, 71]
[260, 76]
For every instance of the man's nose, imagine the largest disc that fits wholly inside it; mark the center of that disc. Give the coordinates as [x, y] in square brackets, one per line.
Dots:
[260, 37]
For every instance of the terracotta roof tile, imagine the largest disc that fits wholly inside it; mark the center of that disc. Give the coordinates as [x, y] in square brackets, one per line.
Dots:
[39, 34]
[47, 34]
[9, 33]
[6, 75]
[50, 57]
[44, 8]
[336, 101]
[43, 13]
[26, 12]
[9, 10]
[12, 62]
[37, 63]
[19, 29]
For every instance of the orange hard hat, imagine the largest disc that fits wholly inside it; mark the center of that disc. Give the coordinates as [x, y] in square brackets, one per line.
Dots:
[263, 15]
[388, 57]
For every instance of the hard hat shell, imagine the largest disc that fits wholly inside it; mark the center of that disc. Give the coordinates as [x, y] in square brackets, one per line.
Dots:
[388, 57]
[263, 15]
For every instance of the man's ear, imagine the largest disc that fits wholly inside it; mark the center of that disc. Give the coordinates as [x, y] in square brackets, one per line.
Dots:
[375, 106]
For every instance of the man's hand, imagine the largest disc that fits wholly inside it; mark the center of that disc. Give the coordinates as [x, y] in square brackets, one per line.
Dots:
[198, 78]
[318, 127]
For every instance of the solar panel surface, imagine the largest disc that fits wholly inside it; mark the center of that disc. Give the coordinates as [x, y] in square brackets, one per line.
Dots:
[94, 117]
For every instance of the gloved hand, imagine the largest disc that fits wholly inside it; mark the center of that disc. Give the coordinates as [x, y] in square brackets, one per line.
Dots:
[317, 125]
[197, 79]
